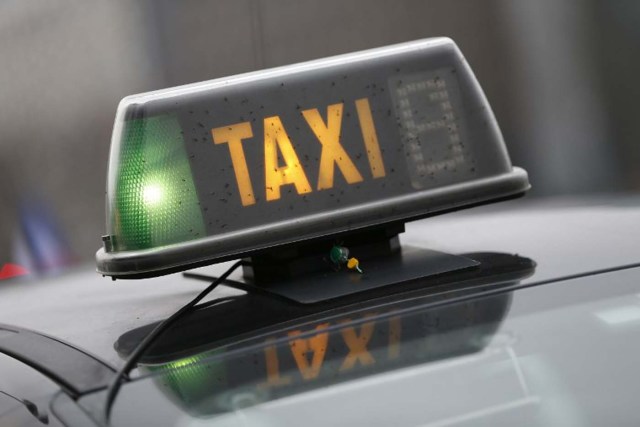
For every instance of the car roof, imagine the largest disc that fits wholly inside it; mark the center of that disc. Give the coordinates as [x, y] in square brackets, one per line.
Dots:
[563, 353]
[564, 237]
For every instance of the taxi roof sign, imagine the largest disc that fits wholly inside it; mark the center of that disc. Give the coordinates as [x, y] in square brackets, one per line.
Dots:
[216, 170]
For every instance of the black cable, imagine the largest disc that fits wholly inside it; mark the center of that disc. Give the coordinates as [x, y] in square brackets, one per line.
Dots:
[112, 391]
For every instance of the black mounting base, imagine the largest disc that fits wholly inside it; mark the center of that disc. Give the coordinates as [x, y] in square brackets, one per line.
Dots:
[304, 273]
[302, 260]
[410, 264]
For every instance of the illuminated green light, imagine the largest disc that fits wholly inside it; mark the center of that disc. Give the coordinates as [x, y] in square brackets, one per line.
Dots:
[152, 195]
[155, 199]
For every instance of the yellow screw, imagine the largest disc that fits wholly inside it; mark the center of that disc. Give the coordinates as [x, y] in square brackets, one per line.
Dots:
[354, 264]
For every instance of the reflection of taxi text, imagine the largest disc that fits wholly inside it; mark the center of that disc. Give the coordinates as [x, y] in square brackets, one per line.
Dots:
[309, 351]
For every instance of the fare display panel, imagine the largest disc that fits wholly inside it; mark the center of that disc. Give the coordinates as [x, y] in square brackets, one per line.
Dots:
[227, 167]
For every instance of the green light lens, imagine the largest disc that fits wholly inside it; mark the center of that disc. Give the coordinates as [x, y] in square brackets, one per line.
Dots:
[156, 203]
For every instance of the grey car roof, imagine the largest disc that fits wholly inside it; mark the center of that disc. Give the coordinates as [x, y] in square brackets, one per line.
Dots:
[563, 236]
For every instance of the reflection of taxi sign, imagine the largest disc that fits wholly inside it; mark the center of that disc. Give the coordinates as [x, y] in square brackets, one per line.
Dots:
[224, 168]
[326, 353]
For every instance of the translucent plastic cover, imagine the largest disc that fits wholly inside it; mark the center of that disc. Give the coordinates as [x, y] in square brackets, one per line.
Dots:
[224, 168]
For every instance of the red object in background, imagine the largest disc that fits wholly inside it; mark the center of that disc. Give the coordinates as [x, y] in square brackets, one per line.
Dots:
[12, 270]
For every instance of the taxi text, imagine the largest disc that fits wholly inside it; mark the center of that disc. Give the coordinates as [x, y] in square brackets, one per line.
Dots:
[276, 140]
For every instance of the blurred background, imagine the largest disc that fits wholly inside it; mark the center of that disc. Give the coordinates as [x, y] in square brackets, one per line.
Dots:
[561, 77]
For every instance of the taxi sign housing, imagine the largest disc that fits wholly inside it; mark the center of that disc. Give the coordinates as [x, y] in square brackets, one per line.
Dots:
[226, 168]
